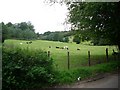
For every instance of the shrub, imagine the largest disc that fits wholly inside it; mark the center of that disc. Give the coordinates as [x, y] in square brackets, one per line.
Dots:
[77, 39]
[23, 68]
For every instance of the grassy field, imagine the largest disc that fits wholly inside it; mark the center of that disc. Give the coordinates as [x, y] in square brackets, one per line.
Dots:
[78, 58]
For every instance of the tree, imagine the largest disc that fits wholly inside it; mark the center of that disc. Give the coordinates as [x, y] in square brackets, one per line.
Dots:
[65, 39]
[100, 20]
[5, 34]
[62, 36]
[77, 39]
[21, 30]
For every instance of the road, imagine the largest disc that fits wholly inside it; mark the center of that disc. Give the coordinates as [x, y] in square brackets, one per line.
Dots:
[106, 81]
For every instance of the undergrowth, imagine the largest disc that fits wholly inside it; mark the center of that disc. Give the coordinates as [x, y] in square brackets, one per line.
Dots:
[70, 76]
[23, 68]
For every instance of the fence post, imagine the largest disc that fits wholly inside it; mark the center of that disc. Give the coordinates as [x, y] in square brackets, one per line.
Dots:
[89, 58]
[114, 54]
[48, 53]
[99, 61]
[68, 61]
[107, 54]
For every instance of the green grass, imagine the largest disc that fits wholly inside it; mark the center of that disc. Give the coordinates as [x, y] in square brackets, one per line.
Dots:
[71, 76]
[78, 58]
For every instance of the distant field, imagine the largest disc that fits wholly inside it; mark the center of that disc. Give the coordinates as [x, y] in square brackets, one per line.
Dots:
[78, 58]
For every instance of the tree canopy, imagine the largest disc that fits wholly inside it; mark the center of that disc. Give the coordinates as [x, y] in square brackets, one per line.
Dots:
[98, 20]
[62, 36]
[21, 30]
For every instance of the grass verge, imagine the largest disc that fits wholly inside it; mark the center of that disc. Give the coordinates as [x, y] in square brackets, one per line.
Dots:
[70, 76]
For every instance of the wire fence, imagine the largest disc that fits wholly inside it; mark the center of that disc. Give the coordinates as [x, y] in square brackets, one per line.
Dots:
[90, 59]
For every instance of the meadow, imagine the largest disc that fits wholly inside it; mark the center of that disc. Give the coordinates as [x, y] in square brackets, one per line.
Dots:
[78, 58]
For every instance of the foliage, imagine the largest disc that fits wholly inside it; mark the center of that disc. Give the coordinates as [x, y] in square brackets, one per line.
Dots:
[77, 39]
[62, 36]
[71, 76]
[23, 68]
[21, 30]
[78, 58]
[61, 75]
[99, 20]
[66, 39]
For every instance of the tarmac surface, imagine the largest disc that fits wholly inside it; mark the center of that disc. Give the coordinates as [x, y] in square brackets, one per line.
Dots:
[100, 81]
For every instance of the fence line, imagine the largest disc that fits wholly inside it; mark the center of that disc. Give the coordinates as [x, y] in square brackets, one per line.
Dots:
[89, 58]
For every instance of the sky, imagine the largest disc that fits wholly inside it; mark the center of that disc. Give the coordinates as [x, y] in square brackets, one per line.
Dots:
[43, 16]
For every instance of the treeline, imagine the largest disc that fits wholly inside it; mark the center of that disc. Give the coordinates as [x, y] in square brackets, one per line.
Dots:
[23, 30]
[72, 36]
[62, 36]
[81, 36]
[26, 31]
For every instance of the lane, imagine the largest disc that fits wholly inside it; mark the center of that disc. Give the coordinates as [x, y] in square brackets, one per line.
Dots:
[107, 82]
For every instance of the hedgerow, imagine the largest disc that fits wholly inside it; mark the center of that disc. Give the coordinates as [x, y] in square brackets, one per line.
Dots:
[23, 68]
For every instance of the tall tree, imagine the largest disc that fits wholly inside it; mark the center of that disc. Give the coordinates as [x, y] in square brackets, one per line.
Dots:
[21, 30]
[98, 19]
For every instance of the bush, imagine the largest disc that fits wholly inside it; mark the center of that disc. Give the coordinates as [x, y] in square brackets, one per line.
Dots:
[23, 68]
[77, 39]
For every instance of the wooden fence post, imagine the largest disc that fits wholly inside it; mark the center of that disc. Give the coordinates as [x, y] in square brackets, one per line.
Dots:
[89, 58]
[48, 53]
[114, 54]
[107, 54]
[99, 61]
[68, 61]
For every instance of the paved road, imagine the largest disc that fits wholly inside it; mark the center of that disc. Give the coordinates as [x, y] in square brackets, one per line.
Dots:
[108, 81]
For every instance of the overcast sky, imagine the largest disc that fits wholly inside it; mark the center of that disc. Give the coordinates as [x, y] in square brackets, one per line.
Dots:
[43, 16]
